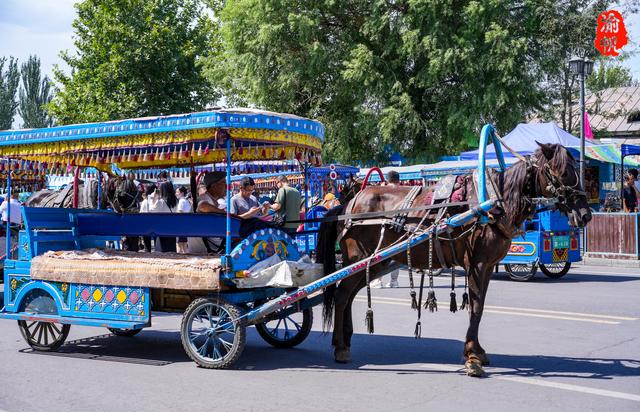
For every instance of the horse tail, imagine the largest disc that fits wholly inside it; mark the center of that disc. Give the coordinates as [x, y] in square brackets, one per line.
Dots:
[326, 254]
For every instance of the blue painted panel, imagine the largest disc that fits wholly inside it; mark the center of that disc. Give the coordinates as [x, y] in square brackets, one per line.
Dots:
[260, 245]
[155, 224]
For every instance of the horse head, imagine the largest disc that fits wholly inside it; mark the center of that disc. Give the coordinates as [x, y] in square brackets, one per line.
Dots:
[558, 177]
[351, 187]
[122, 194]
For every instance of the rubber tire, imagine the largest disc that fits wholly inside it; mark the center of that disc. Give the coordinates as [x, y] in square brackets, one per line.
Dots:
[521, 278]
[124, 332]
[238, 343]
[40, 302]
[305, 330]
[552, 275]
[51, 347]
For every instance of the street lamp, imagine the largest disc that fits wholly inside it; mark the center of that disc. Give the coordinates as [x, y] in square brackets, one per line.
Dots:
[581, 67]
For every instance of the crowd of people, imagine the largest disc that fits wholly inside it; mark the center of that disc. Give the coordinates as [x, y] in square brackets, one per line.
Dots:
[283, 211]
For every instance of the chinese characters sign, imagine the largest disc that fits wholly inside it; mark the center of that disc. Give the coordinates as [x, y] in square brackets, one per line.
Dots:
[611, 34]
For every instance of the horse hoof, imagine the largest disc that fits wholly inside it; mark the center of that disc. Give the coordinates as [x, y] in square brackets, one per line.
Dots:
[342, 356]
[473, 367]
[484, 359]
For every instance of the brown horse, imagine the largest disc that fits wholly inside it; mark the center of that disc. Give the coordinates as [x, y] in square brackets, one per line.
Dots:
[549, 173]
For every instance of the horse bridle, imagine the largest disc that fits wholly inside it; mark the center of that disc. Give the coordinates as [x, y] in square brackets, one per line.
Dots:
[560, 191]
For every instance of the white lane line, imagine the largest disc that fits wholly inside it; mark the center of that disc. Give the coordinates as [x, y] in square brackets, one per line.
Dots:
[509, 308]
[494, 374]
[569, 387]
[503, 312]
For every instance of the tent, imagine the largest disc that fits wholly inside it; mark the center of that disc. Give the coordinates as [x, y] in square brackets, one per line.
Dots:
[523, 139]
[406, 172]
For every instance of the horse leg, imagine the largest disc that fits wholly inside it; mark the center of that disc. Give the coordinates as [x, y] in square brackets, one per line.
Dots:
[342, 324]
[474, 354]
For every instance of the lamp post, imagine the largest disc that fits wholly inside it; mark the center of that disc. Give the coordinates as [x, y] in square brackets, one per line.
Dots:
[581, 67]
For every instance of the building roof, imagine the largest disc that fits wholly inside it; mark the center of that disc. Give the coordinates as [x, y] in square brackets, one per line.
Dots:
[615, 110]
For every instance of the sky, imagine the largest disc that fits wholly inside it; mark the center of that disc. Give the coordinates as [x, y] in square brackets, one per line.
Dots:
[44, 28]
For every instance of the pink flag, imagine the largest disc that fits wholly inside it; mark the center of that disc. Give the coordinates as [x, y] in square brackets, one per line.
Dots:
[588, 134]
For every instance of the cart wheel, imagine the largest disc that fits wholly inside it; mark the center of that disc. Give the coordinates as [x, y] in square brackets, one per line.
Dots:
[286, 332]
[212, 333]
[124, 332]
[555, 270]
[520, 272]
[42, 336]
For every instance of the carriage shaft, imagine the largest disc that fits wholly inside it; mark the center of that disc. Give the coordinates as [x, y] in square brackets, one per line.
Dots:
[382, 255]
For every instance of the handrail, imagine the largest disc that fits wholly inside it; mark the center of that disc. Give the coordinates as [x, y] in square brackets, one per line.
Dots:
[488, 135]
[373, 169]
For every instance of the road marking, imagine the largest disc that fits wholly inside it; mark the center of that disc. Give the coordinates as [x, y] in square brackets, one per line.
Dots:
[510, 308]
[493, 373]
[502, 312]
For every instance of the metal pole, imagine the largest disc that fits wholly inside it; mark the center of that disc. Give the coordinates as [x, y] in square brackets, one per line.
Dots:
[8, 200]
[228, 237]
[99, 189]
[582, 129]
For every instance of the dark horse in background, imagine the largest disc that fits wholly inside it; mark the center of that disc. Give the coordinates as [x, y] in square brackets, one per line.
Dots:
[119, 193]
[551, 173]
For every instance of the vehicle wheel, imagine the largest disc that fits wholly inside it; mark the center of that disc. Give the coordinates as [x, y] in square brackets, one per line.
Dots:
[555, 270]
[520, 272]
[212, 333]
[288, 331]
[42, 336]
[124, 332]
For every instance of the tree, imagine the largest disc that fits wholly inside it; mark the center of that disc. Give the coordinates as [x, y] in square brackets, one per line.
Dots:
[34, 95]
[607, 74]
[9, 80]
[135, 58]
[421, 77]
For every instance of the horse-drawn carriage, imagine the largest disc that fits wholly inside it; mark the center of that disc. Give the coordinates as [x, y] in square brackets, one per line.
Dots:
[61, 277]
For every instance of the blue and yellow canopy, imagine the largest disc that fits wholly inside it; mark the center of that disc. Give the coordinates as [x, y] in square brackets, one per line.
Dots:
[163, 141]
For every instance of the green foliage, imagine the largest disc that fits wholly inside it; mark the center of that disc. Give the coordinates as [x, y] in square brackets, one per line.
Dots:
[9, 79]
[34, 94]
[415, 75]
[135, 58]
[608, 73]
[570, 30]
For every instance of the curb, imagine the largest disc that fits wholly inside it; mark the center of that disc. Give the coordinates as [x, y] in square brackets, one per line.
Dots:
[621, 263]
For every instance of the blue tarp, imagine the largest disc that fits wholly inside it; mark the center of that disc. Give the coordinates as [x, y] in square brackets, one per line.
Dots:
[523, 139]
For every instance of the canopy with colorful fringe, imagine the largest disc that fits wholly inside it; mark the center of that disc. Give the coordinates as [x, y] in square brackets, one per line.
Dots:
[184, 139]
[608, 153]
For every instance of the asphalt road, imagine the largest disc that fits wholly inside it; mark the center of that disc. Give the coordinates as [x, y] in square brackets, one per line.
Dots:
[555, 345]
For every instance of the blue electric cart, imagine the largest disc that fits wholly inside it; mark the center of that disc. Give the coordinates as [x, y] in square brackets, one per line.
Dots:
[548, 243]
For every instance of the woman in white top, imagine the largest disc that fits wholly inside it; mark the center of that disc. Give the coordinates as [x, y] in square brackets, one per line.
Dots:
[184, 206]
[154, 203]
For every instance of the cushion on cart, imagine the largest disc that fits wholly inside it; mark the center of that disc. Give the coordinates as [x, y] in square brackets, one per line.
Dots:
[123, 268]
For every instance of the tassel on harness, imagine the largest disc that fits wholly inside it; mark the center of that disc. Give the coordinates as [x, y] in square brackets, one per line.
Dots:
[369, 320]
[412, 292]
[453, 305]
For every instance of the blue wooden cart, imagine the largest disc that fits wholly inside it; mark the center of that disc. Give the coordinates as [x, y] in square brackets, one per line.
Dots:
[59, 278]
[548, 243]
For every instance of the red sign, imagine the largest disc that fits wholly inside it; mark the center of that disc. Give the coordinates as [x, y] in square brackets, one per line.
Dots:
[611, 34]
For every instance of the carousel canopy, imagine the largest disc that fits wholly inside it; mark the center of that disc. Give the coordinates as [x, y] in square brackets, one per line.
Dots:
[184, 139]
[341, 170]
[523, 139]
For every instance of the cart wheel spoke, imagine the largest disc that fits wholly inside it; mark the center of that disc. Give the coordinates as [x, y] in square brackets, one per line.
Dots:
[54, 327]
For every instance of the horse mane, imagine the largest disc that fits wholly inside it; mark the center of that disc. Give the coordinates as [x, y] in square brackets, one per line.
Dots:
[515, 179]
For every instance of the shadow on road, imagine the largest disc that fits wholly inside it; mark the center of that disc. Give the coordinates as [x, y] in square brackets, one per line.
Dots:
[371, 353]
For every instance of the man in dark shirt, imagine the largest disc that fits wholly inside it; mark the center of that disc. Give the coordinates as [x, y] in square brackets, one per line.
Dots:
[629, 195]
